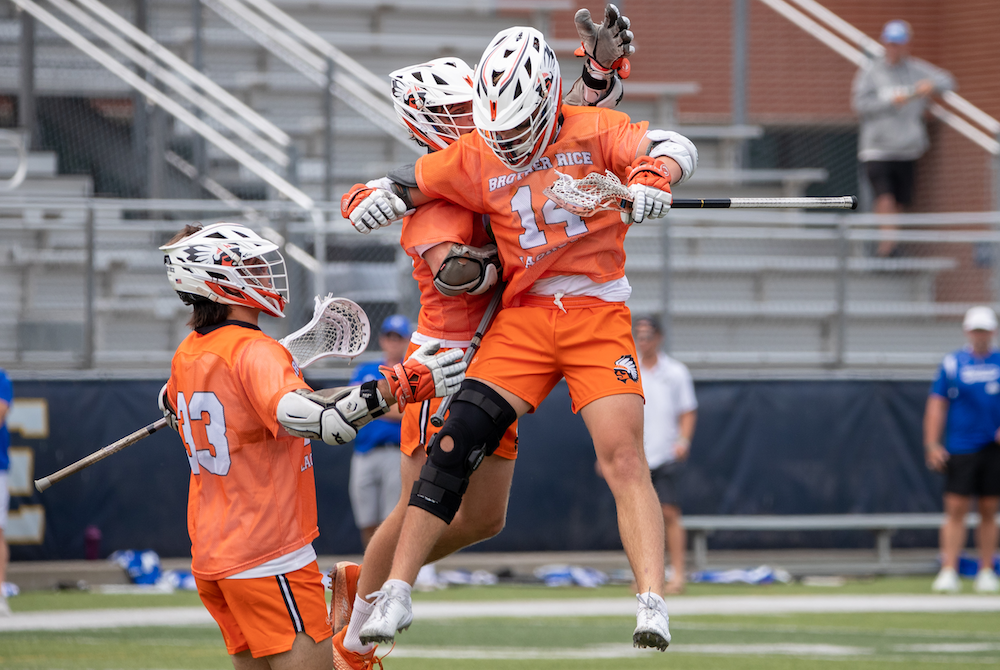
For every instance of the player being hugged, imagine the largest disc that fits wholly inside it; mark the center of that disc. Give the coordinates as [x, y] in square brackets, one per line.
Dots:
[456, 267]
[564, 305]
[239, 402]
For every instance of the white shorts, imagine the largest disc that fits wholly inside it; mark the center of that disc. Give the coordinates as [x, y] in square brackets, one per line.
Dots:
[4, 500]
[375, 485]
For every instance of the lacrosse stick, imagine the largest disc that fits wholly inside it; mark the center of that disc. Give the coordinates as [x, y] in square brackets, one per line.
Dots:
[600, 192]
[437, 420]
[99, 455]
[339, 327]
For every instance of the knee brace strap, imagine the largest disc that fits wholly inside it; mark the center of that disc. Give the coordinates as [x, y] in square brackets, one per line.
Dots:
[477, 420]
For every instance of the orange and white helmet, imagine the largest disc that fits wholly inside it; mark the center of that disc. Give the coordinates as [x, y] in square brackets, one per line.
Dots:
[517, 95]
[230, 264]
[434, 100]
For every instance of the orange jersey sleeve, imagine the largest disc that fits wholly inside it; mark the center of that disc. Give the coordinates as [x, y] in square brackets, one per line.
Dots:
[443, 317]
[535, 237]
[252, 496]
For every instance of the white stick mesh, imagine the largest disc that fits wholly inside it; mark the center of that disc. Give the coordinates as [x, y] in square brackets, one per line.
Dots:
[339, 328]
[585, 197]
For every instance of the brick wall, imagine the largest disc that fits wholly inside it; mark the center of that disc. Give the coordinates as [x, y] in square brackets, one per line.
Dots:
[794, 79]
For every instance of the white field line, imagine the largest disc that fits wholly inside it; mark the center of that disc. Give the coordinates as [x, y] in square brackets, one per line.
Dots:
[626, 651]
[683, 605]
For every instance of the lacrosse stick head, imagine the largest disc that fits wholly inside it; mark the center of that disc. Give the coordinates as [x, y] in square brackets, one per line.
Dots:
[339, 328]
[594, 193]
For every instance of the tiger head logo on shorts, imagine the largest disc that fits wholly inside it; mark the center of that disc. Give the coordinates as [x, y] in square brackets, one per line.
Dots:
[626, 369]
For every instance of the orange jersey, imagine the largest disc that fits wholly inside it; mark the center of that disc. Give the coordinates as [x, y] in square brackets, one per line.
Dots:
[252, 496]
[535, 238]
[441, 316]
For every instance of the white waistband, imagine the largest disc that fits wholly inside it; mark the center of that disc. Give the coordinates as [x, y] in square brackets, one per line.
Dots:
[419, 338]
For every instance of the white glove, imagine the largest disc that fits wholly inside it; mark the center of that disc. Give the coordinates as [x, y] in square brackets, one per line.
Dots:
[647, 203]
[333, 415]
[168, 410]
[371, 206]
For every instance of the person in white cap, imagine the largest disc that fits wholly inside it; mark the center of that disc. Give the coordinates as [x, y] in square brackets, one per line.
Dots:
[890, 95]
[965, 396]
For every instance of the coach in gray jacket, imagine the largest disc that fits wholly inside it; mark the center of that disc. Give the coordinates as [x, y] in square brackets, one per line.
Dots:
[891, 95]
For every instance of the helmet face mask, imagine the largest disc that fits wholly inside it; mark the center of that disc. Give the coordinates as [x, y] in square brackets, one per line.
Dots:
[230, 264]
[517, 95]
[433, 100]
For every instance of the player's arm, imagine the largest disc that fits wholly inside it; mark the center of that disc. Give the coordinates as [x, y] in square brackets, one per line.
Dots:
[606, 47]
[935, 417]
[380, 202]
[663, 159]
[459, 268]
[685, 431]
[334, 415]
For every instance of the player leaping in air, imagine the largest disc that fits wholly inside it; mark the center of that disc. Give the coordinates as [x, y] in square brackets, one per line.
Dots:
[455, 266]
[238, 400]
[564, 313]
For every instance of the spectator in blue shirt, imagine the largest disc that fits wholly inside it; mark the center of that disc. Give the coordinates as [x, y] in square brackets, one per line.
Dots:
[6, 398]
[965, 396]
[375, 484]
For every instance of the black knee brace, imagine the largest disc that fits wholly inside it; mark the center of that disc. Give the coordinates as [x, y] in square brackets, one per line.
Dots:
[477, 419]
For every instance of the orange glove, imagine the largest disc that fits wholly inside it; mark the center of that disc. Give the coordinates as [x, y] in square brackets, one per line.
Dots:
[425, 374]
[370, 207]
[649, 183]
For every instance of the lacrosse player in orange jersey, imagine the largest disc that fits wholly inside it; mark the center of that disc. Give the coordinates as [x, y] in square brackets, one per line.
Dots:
[564, 305]
[238, 400]
[455, 265]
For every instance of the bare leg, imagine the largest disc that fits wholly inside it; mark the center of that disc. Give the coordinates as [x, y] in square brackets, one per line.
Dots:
[615, 425]
[986, 534]
[953, 532]
[305, 654]
[676, 546]
[481, 516]
[421, 530]
[886, 204]
[4, 557]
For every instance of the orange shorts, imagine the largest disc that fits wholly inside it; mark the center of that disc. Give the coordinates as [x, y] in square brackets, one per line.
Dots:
[417, 429]
[265, 614]
[532, 346]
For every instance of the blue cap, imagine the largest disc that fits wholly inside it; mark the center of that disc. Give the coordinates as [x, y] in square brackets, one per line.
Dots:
[397, 323]
[896, 32]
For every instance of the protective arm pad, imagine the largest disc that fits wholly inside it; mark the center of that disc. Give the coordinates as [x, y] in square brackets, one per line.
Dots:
[471, 270]
[592, 91]
[332, 415]
[666, 143]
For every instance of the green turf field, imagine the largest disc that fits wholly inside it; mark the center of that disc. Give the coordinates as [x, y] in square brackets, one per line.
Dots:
[775, 642]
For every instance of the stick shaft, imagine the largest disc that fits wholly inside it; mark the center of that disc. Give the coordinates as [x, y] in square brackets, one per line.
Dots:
[839, 202]
[437, 420]
[99, 455]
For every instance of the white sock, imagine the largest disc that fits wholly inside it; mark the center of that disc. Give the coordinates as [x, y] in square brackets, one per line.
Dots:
[362, 610]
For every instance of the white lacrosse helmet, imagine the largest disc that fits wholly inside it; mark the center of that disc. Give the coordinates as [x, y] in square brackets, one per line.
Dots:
[434, 100]
[517, 95]
[230, 264]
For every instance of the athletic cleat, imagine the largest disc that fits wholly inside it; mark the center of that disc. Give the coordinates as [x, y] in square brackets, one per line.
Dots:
[652, 623]
[345, 659]
[946, 582]
[986, 581]
[344, 584]
[393, 612]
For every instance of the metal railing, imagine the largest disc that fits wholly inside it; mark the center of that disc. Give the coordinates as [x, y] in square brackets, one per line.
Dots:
[865, 47]
[737, 289]
[166, 102]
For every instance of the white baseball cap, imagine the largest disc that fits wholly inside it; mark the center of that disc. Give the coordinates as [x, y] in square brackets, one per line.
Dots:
[980, 318]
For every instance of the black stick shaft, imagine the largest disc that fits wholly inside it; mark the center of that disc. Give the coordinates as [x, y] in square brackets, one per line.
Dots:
[838, 202]
[437, 420]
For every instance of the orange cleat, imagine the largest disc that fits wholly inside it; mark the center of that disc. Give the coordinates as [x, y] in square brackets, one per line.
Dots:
[344, 659]
[344, 583]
